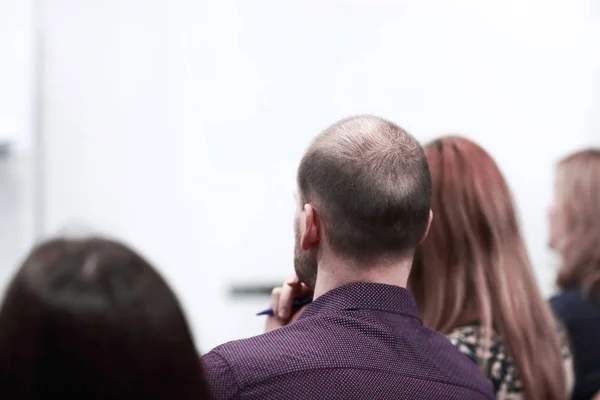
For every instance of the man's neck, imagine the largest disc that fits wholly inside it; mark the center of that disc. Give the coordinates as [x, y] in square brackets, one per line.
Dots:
[334, 273]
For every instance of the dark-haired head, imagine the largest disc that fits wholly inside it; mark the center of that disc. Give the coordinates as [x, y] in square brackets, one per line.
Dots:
[91, 319]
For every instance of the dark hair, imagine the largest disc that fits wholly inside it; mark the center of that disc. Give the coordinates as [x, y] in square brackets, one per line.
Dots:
[369, 182]
[91, 319]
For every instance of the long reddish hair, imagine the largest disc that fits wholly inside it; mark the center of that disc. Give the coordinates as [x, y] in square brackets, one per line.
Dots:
[473, 266]
[578, 205]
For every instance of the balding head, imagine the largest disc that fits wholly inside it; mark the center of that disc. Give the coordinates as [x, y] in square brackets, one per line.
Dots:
[369, 183]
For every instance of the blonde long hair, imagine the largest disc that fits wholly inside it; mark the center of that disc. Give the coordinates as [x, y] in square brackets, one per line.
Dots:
[474, 266]
[578, 204]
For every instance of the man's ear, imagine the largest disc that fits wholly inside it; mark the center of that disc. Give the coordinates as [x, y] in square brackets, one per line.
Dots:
[310, 235]
[424, 235]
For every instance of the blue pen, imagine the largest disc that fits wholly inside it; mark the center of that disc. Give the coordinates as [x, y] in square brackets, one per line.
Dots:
[297, 304]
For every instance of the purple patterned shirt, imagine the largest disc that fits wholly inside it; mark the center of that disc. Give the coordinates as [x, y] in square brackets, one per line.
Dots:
[359, 341]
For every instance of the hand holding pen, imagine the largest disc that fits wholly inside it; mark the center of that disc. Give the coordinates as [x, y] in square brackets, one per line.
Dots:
[287, 302]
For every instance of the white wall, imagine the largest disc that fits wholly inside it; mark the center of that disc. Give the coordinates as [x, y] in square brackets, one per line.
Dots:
[16, 169]
[177, 125]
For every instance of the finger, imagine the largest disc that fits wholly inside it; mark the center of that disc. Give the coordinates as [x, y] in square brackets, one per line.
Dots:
[275, 296]
[292, 280]
[305, 291]
[289, 293]
[272, 323]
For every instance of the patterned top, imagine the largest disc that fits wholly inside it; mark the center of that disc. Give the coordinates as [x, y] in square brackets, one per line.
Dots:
[498, 364]
[359, 341]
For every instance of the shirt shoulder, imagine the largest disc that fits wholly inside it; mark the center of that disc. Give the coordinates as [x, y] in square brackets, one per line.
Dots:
[244, 362]
[220, 376]
[335, 347]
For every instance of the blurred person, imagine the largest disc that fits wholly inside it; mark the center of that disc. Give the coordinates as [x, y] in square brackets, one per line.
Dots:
[473, 281]
[91, 319]
[575, 235]
[363, 204]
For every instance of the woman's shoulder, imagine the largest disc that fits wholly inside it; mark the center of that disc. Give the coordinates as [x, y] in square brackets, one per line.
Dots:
[568, 297]
[466, 339]
[574, 304]
[494, 359]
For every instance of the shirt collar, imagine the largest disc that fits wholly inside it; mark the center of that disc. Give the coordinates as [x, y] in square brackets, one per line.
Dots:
[364, 296]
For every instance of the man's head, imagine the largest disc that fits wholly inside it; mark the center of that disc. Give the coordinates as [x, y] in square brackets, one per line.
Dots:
[364, 190]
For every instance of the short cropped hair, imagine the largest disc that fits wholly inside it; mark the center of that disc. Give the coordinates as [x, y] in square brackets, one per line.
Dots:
[370, 184]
